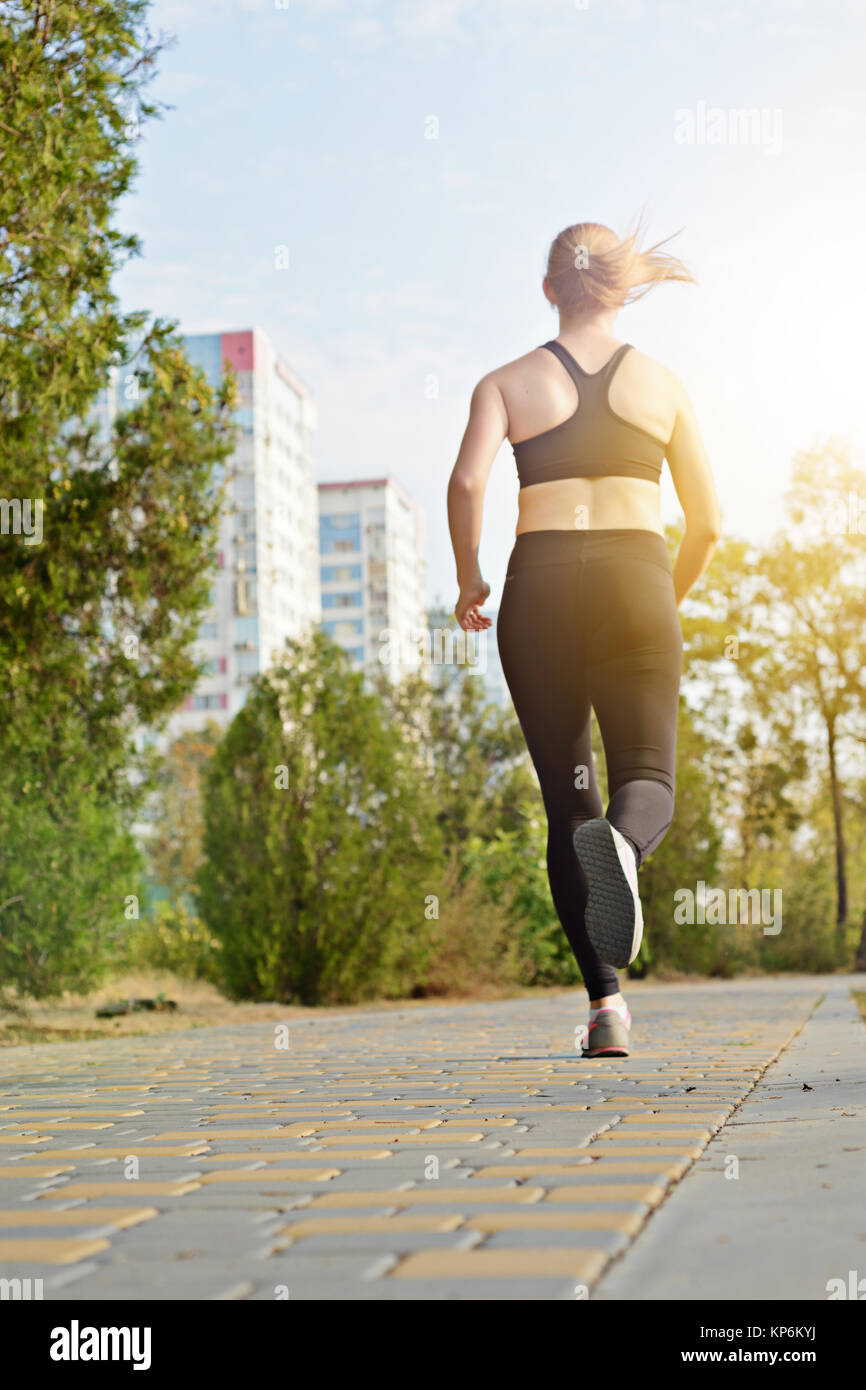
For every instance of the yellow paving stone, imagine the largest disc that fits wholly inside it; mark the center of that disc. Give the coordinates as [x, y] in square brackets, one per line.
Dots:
[122, 1188]
[672, 1169]
[502, 1264]
[508, 1169]
[121, 1217]
[439, 1136]
[544, 1218]
[565, 1151]
[231, 1112]
[389, 1123]
[348, 1107]
[525, 1110]
[179, 1151]
[297, 1156]
[59, 1250]
[616, 1153]
[20, 1139]
[281, 1132]
[59, 1099]
[359, 1225]
[695, 1135]
[668, 1118]
[597, 1190]
[35, 1170]
[430, 1194]
[275, 1097]
[674, 1105]
[333, 1140]
[470, 1119]
[17, 1114]
[269, 1175]
[61, 1124]
[662, 1115]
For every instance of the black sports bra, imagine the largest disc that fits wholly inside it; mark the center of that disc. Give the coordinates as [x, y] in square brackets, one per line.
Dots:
[594, 442]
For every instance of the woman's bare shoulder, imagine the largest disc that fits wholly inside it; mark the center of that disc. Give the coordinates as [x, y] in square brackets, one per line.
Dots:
[509, 370]
[652, 369]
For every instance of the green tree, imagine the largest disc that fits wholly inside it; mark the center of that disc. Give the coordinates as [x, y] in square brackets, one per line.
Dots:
[322, 852]
[175, 819]
[107, 533]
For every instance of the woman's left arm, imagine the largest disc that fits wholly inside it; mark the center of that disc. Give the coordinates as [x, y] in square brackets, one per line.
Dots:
[487, 427]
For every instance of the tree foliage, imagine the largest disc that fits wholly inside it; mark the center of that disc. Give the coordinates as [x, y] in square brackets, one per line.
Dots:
[99, 602]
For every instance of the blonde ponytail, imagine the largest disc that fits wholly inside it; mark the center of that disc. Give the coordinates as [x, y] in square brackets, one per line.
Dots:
[589, 268]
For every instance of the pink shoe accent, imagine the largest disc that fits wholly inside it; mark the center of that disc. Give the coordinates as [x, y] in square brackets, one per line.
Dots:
[623, 1014]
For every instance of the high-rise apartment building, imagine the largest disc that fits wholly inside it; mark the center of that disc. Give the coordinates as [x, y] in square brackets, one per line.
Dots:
[266, 587]
[372, 572]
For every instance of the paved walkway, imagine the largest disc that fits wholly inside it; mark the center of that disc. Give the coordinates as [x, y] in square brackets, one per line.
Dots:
[447, 1151]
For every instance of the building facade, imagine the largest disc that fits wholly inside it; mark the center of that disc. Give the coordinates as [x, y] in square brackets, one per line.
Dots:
[372, 573]
[266, 588]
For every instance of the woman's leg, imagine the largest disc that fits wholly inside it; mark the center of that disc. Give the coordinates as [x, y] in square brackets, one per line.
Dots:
[633, 680]
[537, 634]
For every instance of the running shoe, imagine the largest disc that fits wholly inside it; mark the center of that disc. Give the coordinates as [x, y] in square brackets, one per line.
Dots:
[614, 916]
[608, 1032]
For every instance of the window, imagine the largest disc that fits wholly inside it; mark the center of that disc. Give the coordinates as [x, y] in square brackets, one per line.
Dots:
[215, 667]
[351, 600]
[248, 663]
[209, 702]
[246, 632]
[340, 533]
[340, 574]
[246, 595]
[209, 632]
[344, 627]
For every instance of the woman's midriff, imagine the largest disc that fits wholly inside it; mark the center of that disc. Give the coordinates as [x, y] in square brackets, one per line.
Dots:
[590, 504]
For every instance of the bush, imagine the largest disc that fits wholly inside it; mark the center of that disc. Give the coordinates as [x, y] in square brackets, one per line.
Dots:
[172, 939]
[320, 839]
[511, 872]
[473, 947]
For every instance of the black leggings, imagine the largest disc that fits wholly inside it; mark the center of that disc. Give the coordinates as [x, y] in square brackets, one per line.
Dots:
[588, 620]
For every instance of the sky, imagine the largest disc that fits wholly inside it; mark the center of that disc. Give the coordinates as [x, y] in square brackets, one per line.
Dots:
[376, 183]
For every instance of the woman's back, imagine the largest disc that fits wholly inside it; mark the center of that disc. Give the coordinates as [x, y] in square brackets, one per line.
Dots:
[589, 418]
[539, 394]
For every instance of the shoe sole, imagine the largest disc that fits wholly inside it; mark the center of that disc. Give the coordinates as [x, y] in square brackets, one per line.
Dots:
[610, 907]
[607, 1052]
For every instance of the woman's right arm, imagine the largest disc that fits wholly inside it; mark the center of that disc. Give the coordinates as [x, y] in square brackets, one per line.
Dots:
[693, 480]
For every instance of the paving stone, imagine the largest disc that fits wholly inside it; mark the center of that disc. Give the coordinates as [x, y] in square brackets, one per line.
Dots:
[546, 1159]
[59, 1250]
[122, 1189]
[76, 1216]
[550, 1261]
[272, 1174]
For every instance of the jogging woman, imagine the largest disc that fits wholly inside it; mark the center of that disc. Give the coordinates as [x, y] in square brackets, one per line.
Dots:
[588, 618]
